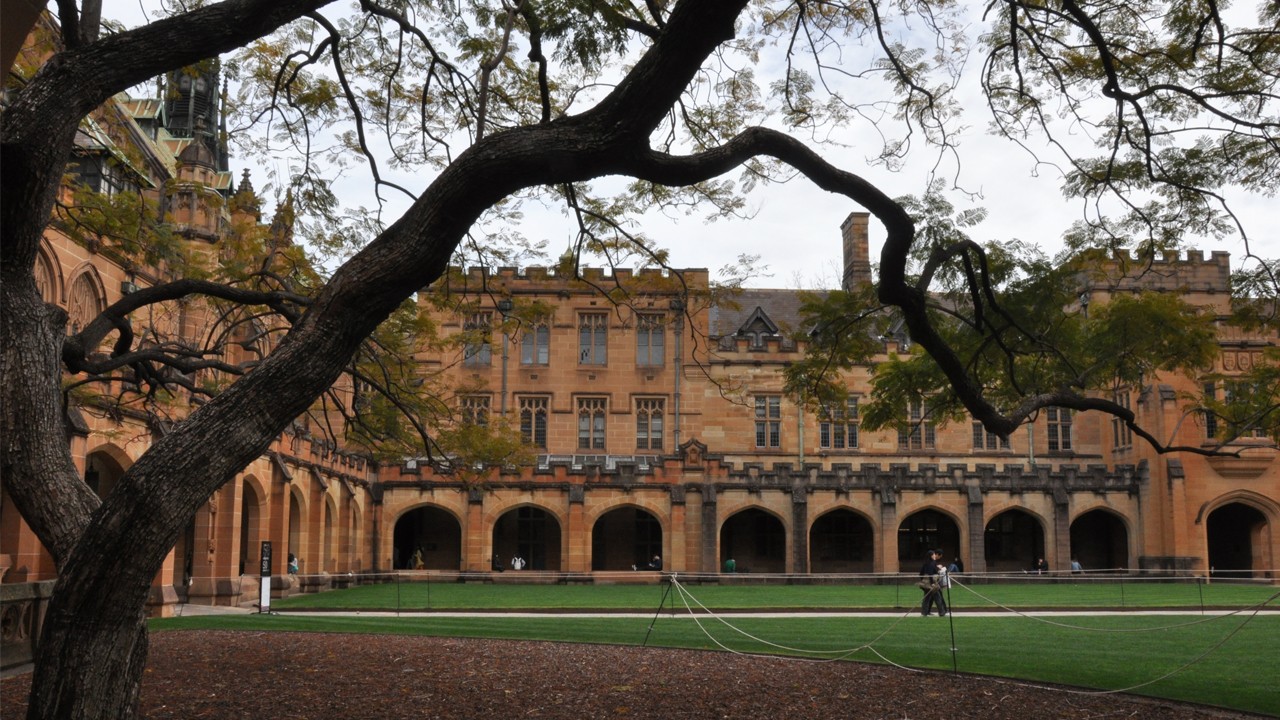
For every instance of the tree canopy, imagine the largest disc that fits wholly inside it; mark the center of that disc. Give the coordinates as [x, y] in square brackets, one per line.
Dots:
[1157, 113]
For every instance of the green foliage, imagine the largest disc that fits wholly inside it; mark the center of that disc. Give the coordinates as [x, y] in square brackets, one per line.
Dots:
[126, 224]
[841, 330]
[1134, 336]
[1255, 296]
[1024, 327]
[413, 81]
[1181, 122]
[1245, 405]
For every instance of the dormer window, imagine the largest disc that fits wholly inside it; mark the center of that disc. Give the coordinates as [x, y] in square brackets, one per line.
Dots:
[100, 174]
[758, 329]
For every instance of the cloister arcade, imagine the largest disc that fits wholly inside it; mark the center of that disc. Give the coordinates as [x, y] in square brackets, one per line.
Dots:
[841, 540]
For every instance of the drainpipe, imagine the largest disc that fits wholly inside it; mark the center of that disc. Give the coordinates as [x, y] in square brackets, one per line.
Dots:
[504, 307]
[677, 306]
[376, 521]
[800, 431]
[1031, 446]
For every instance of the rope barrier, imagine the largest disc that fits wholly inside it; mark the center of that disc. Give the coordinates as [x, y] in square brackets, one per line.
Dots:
[686, 597]
[1194, 661]
[1014, 611]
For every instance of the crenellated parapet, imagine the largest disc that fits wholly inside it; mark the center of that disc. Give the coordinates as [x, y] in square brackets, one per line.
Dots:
[538, 279]
[1191, 272]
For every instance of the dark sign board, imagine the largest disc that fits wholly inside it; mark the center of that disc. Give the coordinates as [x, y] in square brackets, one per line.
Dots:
[266, 558]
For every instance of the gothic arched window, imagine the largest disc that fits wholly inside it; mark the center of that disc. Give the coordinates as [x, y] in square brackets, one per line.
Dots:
[83, 304]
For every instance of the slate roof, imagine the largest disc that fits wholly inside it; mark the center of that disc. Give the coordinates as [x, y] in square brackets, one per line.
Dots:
[781, 307]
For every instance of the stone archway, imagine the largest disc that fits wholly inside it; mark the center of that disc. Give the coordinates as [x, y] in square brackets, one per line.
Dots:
[328, 536]
[1100, 541]
[922, 531]
[1013, 541]
[531, 533]
[102, 472]
[431, 532]
[1237, 536]
[841, 541]
[296, 539]
[756, 540]
[251, 534]
[625, 538]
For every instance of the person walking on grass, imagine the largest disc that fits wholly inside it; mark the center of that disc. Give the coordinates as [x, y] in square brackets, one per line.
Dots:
[929, 584]
[944, 584]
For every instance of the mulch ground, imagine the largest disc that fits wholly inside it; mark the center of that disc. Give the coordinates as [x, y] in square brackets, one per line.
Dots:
[294, 676]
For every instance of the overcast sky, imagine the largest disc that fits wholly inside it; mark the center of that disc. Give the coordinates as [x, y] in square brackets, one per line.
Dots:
[795, 228]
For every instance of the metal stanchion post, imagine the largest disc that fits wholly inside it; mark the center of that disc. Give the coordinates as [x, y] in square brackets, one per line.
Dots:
[663, 601]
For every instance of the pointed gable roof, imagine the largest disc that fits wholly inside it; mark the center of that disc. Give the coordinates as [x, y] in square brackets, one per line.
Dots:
[773, 310]
[758, 323]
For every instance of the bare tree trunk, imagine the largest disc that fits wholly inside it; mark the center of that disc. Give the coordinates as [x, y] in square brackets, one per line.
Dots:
[91, 668]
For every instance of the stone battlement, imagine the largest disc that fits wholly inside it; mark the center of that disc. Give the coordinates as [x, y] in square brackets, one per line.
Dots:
[1191, 272]
[693, 276]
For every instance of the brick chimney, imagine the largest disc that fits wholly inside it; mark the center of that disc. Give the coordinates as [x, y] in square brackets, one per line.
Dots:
[857, 250]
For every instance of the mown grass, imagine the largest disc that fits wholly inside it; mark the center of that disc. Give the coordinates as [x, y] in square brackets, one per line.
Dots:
[1225, 661]
[426, 595]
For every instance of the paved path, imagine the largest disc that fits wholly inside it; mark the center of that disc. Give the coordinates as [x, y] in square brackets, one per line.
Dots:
[193, 610]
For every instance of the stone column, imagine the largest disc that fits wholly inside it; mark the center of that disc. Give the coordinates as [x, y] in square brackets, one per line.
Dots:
[477, 552]
[1059, 553]
[710, 530]
[799, 530]
[674, 536]
[887, 562]
[577, 555]
[977, 531]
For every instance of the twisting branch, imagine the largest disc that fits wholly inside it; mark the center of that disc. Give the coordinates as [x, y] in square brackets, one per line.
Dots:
[606, 8]
[536, 55]
[894, 288]
[488, 66]
[76, 349]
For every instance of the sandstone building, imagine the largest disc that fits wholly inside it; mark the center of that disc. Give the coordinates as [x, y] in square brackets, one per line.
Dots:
[658, 427]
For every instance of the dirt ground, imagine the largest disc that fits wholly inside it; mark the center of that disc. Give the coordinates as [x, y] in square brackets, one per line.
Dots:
[296, 676]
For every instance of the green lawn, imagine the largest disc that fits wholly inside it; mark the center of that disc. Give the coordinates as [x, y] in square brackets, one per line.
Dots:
[1218, 661]
[422, 595]
[1227, 661]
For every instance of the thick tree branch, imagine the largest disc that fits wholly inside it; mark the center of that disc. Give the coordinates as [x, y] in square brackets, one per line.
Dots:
[75, 350]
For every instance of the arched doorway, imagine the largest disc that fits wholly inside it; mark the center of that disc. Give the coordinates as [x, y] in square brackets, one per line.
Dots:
[250, 532]
[1099, 541]
[841, 541]
[530, 532]
[351, 547]
[328, 539]
[1238, 540]
[922, 531]
[625, 537]
[295, 537]
[756, 540]
[1013, 541]
[433, 532]
[101, 473]
[184, 562]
